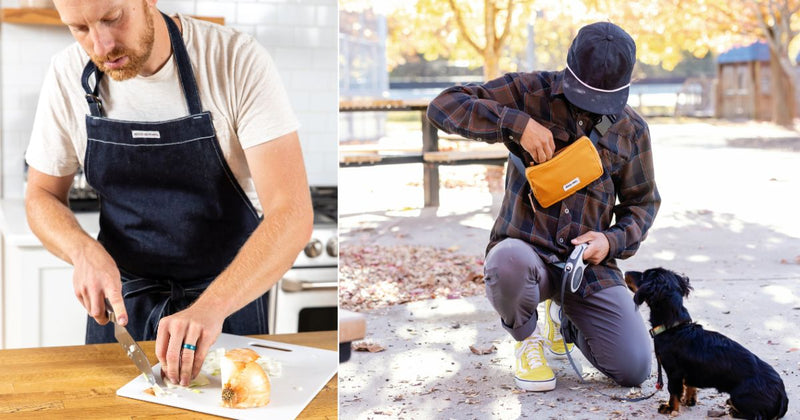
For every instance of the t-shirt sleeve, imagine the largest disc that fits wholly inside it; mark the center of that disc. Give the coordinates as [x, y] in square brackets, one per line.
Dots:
[51, 149]
[264, 112]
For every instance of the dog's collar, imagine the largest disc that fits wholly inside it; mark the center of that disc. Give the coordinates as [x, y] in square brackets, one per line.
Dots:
[661, 328]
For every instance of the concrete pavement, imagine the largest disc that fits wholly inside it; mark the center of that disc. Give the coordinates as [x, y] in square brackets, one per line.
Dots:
[729, 220]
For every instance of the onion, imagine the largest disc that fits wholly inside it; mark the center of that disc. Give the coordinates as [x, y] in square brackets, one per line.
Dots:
[244, 382]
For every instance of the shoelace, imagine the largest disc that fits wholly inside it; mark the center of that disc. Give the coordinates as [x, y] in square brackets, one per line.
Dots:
[530, 349]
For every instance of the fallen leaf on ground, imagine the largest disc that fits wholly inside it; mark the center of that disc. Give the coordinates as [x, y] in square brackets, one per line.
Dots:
[474, 277]
[434, 389]
[369, 346]
[374, 276]
[478, 351]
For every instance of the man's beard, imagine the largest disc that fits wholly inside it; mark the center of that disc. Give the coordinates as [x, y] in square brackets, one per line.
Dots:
[136, 59]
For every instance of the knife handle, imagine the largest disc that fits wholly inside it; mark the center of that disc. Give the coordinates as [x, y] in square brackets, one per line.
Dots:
[110, 311]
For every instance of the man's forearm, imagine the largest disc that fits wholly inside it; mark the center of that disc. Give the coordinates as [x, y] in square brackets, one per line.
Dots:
[264, 258]
[55, 225]
[486, 112]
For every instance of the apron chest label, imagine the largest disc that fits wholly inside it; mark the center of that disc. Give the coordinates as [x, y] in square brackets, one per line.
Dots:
[144, 134]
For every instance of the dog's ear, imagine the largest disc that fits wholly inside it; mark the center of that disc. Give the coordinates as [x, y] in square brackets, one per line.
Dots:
[683, 282]
[642, 289]
[632, 280]
[641, 294]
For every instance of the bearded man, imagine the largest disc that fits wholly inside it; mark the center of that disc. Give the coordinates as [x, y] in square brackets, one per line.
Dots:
[192, 147]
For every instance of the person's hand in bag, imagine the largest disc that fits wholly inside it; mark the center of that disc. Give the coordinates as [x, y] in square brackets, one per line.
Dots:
[537, 141]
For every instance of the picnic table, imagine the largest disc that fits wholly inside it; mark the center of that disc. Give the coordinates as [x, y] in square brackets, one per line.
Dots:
[430, 156]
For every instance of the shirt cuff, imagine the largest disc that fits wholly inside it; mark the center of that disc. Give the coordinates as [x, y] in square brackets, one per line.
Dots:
[616, 243]
[512, 124]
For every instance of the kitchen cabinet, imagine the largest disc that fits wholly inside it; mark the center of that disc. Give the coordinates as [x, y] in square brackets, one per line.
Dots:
[39, 307]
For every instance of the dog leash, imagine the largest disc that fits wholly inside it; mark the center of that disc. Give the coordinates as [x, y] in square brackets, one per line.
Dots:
[573, 269]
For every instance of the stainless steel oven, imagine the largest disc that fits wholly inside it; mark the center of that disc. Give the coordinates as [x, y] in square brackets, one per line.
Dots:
[306, 298]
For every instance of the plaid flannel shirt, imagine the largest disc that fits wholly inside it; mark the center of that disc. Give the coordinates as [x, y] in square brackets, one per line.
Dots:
[499, 110]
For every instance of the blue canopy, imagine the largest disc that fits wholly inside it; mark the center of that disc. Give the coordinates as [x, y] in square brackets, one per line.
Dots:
[757, 51]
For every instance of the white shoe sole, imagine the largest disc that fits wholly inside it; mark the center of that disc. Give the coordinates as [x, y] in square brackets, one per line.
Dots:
[536, 386]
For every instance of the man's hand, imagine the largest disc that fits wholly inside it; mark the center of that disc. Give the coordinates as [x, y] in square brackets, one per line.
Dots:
[537, 141]
[95, 278]
[195, 326]
[598, 246]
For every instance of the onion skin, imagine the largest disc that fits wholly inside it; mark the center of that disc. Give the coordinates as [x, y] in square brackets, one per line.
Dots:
[246, 384]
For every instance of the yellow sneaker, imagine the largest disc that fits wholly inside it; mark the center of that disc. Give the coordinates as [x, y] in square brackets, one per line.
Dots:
[531, 372]
[552, 330]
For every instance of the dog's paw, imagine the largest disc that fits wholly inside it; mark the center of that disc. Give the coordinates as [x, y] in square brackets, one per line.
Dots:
[690, 401]
[665, 409]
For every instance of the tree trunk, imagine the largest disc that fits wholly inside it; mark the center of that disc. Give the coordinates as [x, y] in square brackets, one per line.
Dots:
[491, 66]
[783, 100]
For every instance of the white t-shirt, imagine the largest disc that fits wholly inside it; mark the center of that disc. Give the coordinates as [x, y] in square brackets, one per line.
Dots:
[236, 78]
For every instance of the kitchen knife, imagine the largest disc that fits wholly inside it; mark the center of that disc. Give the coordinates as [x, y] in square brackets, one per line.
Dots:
[131, 348]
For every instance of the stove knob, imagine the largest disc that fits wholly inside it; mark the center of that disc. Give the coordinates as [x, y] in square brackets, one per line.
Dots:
[333, 247]
[314, 248]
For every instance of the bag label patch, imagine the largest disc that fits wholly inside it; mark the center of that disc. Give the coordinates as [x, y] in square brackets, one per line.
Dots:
[572, 183]
[144, 134]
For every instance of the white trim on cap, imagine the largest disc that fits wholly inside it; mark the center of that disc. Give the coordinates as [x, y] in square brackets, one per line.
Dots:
[594, 88]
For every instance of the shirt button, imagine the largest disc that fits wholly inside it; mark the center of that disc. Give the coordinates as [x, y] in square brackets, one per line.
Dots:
[580, 123]
[566, 211]
[561, 240]
[480, 139]
[511, 137]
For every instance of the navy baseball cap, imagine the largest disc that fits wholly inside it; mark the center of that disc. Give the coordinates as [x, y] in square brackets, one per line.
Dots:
[599, 66]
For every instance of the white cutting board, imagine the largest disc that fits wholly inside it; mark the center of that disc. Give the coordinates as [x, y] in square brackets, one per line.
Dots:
[305, 371]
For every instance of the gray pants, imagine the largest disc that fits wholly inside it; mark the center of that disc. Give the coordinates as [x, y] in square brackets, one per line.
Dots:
[610, 332]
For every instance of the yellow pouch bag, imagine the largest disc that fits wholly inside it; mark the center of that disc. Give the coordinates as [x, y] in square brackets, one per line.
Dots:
[571, 169]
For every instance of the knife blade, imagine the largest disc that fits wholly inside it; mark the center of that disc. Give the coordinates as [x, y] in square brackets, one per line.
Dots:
[132, 349]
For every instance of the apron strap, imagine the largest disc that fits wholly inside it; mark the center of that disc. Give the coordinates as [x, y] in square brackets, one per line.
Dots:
[184, 67]
[95, 105]
[185, 74]
[169, 297]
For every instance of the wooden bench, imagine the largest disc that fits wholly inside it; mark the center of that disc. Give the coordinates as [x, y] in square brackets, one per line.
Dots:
[347, 159]
[489, 156]
[430, 156]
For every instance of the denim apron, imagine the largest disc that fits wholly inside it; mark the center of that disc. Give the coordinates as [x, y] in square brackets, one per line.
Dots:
[172, 215]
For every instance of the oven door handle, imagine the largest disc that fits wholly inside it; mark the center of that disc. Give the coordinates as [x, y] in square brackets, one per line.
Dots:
[295, 285]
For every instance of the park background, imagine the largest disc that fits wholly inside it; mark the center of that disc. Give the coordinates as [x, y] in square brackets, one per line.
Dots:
[717, 82]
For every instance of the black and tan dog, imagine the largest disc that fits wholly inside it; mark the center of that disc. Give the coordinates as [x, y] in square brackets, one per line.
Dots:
[695, 358]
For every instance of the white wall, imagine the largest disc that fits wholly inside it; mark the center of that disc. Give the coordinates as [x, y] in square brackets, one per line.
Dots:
[301, 36]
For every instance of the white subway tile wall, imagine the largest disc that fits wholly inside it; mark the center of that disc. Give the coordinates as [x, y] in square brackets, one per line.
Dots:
[301, 36]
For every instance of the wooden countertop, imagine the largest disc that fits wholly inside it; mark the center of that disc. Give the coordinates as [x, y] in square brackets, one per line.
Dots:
[82, 381]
